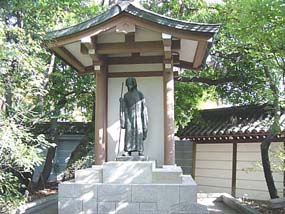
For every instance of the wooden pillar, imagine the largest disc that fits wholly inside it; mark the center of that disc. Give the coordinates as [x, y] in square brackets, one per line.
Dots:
[194, 147]
[101, 114]
[168, 85]
[234, 170]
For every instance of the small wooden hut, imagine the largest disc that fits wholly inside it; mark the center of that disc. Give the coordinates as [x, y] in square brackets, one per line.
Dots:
[128, 40]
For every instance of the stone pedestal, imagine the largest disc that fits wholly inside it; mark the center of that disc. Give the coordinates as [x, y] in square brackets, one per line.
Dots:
[128, 187]
[131, 158]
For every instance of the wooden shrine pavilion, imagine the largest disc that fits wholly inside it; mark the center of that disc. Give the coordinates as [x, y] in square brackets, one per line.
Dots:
[128, 40]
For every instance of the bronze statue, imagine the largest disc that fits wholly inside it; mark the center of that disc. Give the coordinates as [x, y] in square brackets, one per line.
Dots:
[133, 118]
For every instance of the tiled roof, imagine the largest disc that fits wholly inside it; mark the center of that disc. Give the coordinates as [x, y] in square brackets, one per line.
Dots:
[234, 123]
[127, 7]
[66, 128]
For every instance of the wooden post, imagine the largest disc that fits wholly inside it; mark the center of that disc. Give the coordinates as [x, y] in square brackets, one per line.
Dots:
[194, 147]
[234, 170]
[101, 114]
[168, 85]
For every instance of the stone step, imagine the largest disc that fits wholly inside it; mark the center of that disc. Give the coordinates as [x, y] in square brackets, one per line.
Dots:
[128, 172]
[132, 172]
[167, 175]
[89, 175]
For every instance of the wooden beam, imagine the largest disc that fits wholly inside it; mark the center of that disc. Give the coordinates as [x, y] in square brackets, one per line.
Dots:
[185, 65]
[168, 65]
[88, 47]
[234, 170]
[69, 58]
[87, 42]
[134, 60]
[175, 45]
[130, 38]
[200, 53]
[136, 74]
[137, 47]
[166, 38]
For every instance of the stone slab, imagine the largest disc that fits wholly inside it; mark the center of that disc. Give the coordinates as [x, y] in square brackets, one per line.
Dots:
[131, 172]
[150, 207]
[168, 195]
[188, 180]
[131, 158]
[86, 192]
[187, 193]
[66, 189]
[167, 175]
[89, 175]
[69, 206]
[114, 192]
[145, 193]
[106, 207]
[90, 207]
[127, 208]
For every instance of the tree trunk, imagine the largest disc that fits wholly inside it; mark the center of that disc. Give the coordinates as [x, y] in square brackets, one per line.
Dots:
[274, 130]
[267, 168]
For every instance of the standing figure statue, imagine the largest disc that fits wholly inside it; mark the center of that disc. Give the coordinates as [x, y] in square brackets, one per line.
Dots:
[133, 118]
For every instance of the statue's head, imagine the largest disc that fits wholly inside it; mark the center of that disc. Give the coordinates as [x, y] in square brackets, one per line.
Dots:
[131, 83]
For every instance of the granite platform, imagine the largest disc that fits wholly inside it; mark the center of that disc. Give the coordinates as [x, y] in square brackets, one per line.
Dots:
[129, 187]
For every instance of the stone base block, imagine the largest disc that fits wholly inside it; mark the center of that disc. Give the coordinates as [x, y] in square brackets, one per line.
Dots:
[131, 158]
[132, 172]
[128, 187]
[69, 205]
[167, 175]
[90, 175]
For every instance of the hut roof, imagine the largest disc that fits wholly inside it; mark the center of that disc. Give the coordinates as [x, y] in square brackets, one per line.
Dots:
[233, 124]
[134, 10]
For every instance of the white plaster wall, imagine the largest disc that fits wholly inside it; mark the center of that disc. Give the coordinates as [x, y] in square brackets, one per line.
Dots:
[250, 179]
[213, 167]
[152, 88]
[188, 50]
[111, 37]
[143, 34]
[213, 170]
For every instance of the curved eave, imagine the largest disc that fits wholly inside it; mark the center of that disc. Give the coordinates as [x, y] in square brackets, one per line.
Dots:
[143, 14]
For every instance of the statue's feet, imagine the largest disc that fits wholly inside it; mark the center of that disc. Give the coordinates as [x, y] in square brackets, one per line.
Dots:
[127, 154]
[141, 154]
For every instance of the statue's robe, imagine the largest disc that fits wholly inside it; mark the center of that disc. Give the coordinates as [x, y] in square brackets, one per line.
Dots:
[134, 120]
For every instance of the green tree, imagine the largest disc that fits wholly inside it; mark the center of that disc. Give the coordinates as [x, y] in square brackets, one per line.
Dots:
[246, 65]
[254, 45]
[30, 90]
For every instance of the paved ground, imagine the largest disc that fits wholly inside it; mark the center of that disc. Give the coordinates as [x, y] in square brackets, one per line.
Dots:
[213, 207]
[216, 207]
[52, 209]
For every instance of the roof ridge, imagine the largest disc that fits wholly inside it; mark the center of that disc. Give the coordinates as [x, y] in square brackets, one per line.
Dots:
[170, 18]
[241, 107]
